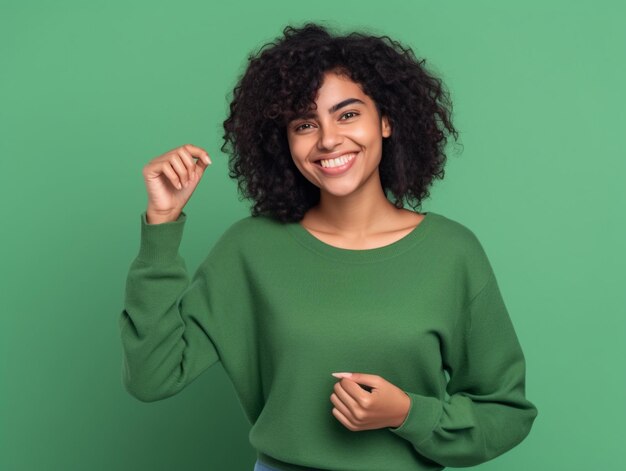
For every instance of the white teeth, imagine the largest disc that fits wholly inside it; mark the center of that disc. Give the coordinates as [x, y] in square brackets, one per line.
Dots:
[338, 161]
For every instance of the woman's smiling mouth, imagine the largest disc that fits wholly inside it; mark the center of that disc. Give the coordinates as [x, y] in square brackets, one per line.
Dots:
[339, 165]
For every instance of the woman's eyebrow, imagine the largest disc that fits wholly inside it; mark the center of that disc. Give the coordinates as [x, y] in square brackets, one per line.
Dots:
[343, 103]
[334, 108]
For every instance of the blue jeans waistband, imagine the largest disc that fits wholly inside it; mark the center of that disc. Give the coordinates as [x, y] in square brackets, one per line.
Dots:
[260, 466]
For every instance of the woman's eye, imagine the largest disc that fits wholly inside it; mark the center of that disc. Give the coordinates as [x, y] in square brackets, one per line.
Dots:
[350, 112]
[300, 127]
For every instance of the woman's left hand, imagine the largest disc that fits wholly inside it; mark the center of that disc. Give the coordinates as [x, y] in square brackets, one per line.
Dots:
[357, 409]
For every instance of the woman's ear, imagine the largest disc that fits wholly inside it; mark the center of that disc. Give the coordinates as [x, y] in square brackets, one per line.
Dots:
[386, 127]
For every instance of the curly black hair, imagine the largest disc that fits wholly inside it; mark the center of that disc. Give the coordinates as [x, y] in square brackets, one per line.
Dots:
[281, 82]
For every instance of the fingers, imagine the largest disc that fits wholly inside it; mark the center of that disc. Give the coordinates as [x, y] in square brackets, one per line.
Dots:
[345, 397]
[177, 161]
[171, 174]
[183, 162]
[179, 165]
[197, 152]
[342, 411]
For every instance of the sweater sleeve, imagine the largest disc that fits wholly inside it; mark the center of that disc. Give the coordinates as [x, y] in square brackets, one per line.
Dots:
[487, 412]
[166, 325]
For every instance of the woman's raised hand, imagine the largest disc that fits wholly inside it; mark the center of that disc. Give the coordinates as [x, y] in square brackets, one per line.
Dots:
[171, 179]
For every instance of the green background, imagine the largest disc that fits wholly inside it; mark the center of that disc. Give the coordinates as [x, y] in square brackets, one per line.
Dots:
[90, 93]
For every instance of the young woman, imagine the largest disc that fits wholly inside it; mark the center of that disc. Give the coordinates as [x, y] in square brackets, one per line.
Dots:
[358, 334]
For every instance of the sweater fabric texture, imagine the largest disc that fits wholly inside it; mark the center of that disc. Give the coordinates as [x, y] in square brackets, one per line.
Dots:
[281, 310]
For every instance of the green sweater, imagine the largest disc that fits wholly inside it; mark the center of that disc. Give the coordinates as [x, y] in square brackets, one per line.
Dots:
[281, 310]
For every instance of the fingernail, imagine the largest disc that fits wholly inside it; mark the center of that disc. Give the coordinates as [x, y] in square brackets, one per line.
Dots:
[341, 375]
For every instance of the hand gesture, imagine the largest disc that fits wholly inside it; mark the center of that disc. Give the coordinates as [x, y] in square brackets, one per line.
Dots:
[385, 405]
[171, 179]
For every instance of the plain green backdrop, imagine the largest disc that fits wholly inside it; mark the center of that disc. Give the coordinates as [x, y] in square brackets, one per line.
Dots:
[90, 93]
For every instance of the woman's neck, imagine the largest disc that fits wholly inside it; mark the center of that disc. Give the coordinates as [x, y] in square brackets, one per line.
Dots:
[354, 218]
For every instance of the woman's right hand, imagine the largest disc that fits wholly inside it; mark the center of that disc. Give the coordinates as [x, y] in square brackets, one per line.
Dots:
[171, 179]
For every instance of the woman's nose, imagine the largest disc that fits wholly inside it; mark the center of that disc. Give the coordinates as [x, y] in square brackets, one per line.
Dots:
[329, 137]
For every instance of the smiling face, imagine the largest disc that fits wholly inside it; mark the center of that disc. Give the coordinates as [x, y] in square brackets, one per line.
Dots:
[345, 123]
